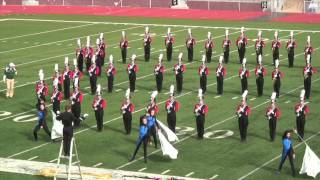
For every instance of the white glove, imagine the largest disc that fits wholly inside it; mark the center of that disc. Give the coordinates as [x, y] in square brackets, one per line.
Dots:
[4, 78]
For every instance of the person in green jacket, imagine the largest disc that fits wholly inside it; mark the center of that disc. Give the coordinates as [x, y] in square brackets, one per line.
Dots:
[9, 74]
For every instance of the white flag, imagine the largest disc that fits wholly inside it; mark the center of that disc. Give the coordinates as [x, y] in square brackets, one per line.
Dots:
[171, 135]
[57, 128]
[310, 164]
[166, 147]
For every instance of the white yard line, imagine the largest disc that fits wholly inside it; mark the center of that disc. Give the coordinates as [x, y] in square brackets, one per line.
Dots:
[213, 177]
[160, 25]
[189, 174]
[142, 169]
[166, 171]
[252, 99]
[32, 158]
[44, 32]
[53, 160]
[216, 97]
[275, 158]
[96, 165]
[236, 97]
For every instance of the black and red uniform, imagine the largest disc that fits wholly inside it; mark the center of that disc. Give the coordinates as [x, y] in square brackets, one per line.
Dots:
[226, 43]
[132, 70]
[200, 111]
[168, 42]
[147, 46]
[123, 46]
[301, 110]
[80, 54]
[76, 76]
[88, 54]
[67, 76]
[76, 101]
[101, 53]
[277, 75]
[242, 42]
[221, 72]
[111, 72]
[158, 72]
[179, 70]
[209, 45]
[127, 109]
[42, 91]
[56, 99]
[273, 115]
[99, 105]
[275, 46]
[190, 43]
[259, 45]
[172, 106]
[308, 50]
[58, 77]
[203, 72]
[244, 74]
[260, 73]
[291, 46]
[93, 73]
[308, 71]
[243, 112]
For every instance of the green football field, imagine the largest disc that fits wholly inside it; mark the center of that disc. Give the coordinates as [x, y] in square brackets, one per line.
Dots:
[33, 44]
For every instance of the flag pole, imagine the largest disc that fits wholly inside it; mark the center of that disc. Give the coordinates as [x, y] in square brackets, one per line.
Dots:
[295, 131]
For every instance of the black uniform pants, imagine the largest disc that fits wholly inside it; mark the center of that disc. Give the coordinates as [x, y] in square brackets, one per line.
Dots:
[143, 141]
[93, 84]
[99, 119]
[200, 120]
[55, 106]
[171, 120]
[88, 63]
[38, 127]
[132, 82]
[208, 55]
[260, 83]
[124, 55]
[275, 55]
[258, 52]
[272, 128]
[80, 63]
[291, 57]
[147, 52]
[127, 121]
[76, 111]
[283, 159]
[110, 83]
[276, 86]
[244, 84]
[67, 136]
[301, 121]
[220, 85]
[169, 52]
[179, 81]
[153, 133]
[226, 55]
[190, 54]
[66, 89]
[203, 83]
[243, 126]
[307, 87]
[99, 64]
[242, 53]
[159, 79]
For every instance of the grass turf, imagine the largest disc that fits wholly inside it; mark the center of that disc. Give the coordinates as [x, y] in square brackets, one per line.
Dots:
[111, 147]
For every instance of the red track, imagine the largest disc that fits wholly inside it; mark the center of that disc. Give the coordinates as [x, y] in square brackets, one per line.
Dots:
[138, 12]
[299, 18]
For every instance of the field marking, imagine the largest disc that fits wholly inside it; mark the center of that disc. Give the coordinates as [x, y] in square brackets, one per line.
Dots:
[76, 162]
[44, 32]
[65, 40]
[53, 160]
[142, 169]
[188, 175]
[32, 158]
[218, 96]
[96, 165]
[213, 177]
[166, 171]
[252, 99]
[83, 130]
[3, 19]
[209, 127]
[236, 97]
[117, 90]
[287, 102]
[158, 25]
[275, 158]
[267, 55]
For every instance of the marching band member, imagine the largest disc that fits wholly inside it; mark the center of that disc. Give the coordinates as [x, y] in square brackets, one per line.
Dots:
[260, 73]
[308, 49]
[226, 43]
[41, 89]
[56, 97]
[221, 72]
[127, 109]
[179, 70]
[260, 44]
[209, 46]
[277, 75]
[76, 101]
[308, 71]
[80, 55]
[147, 44]
[67, 76]
[153, 104]
[143, 138]
[244, 74]
[190, 42]
[57, 77]
[301, 110]
[291, 45]
[132, 72]
[169, 41]
[99, 104]
[102, 48]
[243, 112]
[123, 46]
[93, 73]
[8, 77]
[88, 54]
[158, 72]
[111, 72]
[241, 43]
[172, 106]
[200, 111]
[76, 75]
[273, 114]
[99, 55]
[275, 46]
[41, 124]
[203, 72]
